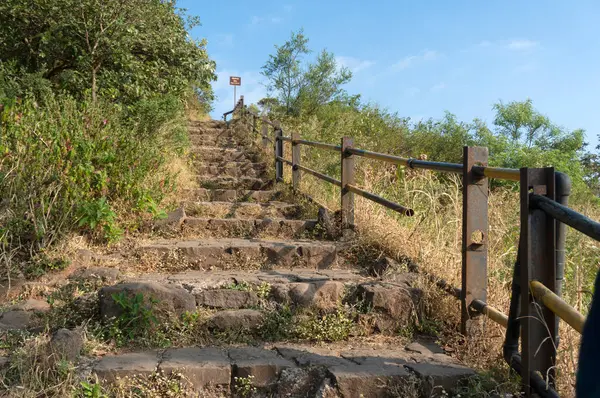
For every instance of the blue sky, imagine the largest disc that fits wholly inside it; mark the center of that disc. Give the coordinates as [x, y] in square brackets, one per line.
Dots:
[421, 58]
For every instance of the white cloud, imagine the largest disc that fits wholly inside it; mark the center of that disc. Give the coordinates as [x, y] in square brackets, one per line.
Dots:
[354, 64]
[412, 91]
[519, 45]
[261, 20]
[408, 61]
[438, 87]
[225, 40]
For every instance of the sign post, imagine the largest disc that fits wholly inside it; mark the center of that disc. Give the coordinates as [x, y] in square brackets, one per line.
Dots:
[235, 81]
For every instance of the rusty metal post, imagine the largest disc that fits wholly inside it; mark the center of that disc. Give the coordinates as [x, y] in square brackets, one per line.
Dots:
[474, 235]
[295, 161]
[278, 152]
[347, 161]
[538, 262]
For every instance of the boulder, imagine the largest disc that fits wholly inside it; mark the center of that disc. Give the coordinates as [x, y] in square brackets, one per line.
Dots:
[67, 344]
[226, 298]
[237, 319]
[171, 298]
[323, 295]
[100, 274]
[394, 305]
[174, 220]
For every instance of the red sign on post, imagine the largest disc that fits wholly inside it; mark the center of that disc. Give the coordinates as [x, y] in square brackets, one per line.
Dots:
[235, 81]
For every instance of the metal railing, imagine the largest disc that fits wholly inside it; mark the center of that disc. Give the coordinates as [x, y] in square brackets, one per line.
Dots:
[535, 306]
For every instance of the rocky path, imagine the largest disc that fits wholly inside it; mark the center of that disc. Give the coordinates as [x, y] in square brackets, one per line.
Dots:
[279, 310]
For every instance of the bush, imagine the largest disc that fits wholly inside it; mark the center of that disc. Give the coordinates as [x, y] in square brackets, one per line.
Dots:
[66, 165]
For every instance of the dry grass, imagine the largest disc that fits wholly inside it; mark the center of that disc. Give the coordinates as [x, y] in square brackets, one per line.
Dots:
[432, 238]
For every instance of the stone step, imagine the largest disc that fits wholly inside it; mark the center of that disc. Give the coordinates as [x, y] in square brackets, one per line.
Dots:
[248, 228]
[244, 210]
[233, 195]
[232, 169]
[225, 182]
[218, 154]
[300, 370]
[208, 140]
[236, 252]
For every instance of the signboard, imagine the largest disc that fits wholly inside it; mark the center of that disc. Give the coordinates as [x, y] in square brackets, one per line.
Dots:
[235, 81]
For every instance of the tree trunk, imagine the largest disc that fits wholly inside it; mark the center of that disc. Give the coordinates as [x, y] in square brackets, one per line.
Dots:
[94, 85]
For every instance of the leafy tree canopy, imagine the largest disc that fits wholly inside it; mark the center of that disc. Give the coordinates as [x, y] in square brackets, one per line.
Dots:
[123, 50]
[302, 86]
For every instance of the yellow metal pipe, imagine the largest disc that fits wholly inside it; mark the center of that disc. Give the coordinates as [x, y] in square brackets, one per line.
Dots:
[496, 315]
[500, 173]
[558, 306]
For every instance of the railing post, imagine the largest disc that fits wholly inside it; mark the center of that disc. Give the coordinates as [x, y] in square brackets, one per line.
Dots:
[278, 152]
[538, 261]
[264, 131]
[295, 161]
[347, 161]
[474, 235]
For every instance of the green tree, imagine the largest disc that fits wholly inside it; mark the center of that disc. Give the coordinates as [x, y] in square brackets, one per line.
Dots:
[303, 86]
[124, 50]
[521, 122]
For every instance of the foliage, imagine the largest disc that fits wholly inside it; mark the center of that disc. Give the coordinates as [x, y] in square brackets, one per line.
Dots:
[335, 326]
[98, 215]
[244, 386]
[137, 319]
[303, 87]
[68, 163]
[124, 51]
[89, 390]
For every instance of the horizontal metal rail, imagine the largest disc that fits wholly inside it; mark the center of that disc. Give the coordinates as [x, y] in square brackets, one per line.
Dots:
[477, 305]
[557, 305]
[320, 175]
[382, 201]
[498, 172]
[492, 313]
[566, 215]
[408, 162]
[283, 138]
[284, 160]
[320, 145]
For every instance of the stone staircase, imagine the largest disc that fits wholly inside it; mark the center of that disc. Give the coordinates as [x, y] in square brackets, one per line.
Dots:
[278, 308]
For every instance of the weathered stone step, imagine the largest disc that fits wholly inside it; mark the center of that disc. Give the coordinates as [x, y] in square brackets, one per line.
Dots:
[218, 154]
[245, 210]
[259, 253]
[300, 370]
[248, 228]
[234, 195]
[232, 169]
[229, 143]
[225, 182]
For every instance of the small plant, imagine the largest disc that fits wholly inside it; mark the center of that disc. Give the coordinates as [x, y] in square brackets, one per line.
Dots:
[335, 326]
[97, 216]
[263, 290]
[244, 386]
[42, 264]
[137, 318]
[148, 204]
[277, 324]
[90, 390]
